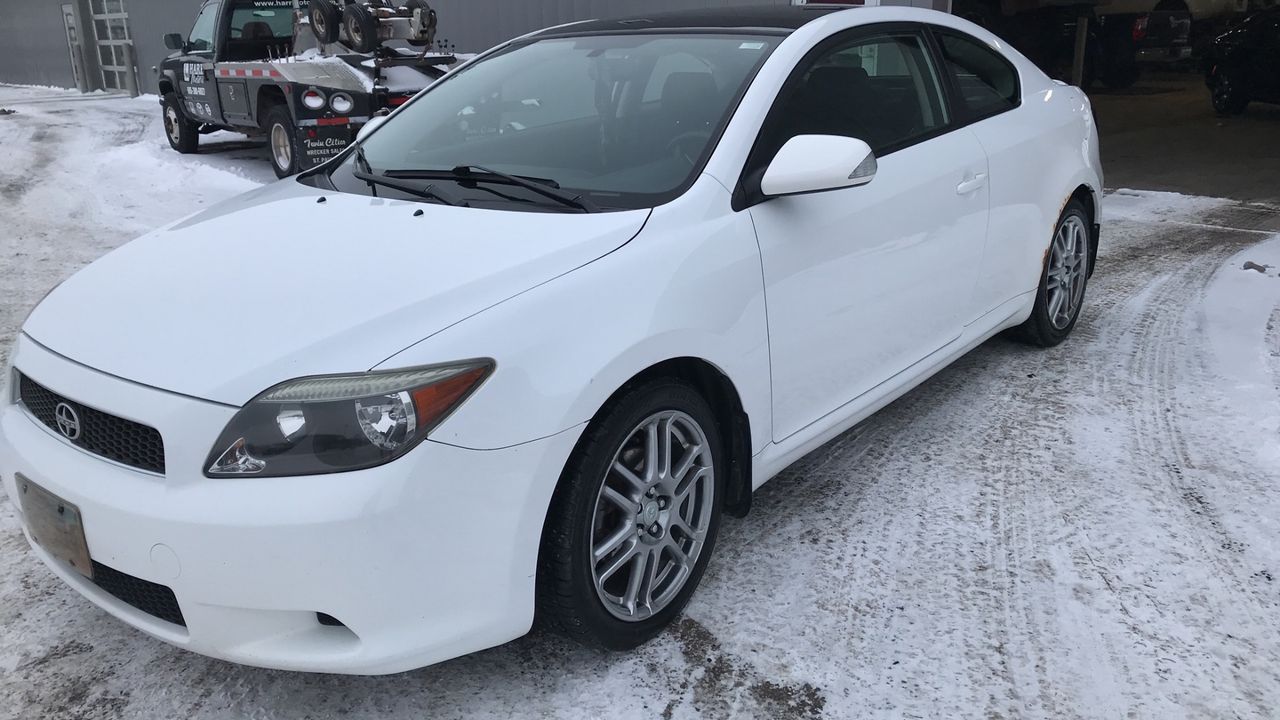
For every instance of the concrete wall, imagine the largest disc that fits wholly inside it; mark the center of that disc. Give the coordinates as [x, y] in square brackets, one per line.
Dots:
[33, 46]
[33, 43]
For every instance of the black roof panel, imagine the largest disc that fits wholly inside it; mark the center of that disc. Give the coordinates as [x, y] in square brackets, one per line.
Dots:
[778, 18]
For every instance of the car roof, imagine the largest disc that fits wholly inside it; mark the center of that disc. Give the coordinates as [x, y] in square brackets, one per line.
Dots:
[776, 19]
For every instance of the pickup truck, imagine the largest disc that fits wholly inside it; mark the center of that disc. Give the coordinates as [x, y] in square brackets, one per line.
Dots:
[286, 70]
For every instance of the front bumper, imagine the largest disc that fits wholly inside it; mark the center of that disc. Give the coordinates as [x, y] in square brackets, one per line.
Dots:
[424, 559]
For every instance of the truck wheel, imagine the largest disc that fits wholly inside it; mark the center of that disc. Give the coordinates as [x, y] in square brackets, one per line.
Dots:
[326, 21]
[1228, 96]
[282, 138]
[184, 135]
[361, 27]
[428, 19]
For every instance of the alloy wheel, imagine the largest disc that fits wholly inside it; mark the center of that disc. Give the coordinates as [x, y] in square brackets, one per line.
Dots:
[652, 515]
[1068, 267]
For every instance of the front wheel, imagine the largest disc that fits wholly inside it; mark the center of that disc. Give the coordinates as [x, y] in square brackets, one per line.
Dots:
[1228, 94]
[634, 519]
[1062, 282]
[183, 135]
[282, 138]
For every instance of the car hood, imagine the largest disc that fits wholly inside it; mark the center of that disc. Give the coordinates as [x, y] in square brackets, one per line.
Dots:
[289, 281]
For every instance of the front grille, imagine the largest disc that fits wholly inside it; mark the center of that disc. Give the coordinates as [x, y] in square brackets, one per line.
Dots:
[153, 599]
[124, 441]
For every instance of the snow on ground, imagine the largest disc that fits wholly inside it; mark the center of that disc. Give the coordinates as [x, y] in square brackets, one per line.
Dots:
[1089, 531]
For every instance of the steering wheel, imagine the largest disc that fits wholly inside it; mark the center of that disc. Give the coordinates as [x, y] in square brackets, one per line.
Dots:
[682, 143]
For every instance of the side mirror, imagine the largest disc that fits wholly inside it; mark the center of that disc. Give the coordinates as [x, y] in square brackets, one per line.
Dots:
[369, 127]
[174, 41]
[814, 163]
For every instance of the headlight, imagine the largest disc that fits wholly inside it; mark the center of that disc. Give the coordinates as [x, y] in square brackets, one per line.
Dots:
[11, 394]
[338, 423]
[341, 103]
[313, 99]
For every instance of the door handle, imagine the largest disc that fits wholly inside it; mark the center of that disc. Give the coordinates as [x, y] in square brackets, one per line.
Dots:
[972, 184]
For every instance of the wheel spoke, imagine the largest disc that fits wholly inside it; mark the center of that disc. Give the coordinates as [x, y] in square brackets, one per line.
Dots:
[633, 582]
[618, 563]
[690, 456]
[682, 490]
[635, 480]
[650, 574]
[651, 453]
[1055, 305]
[622, 501]
[677, 553]
[615, 541]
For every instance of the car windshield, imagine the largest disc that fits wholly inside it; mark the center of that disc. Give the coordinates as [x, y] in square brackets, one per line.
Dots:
[619, 121]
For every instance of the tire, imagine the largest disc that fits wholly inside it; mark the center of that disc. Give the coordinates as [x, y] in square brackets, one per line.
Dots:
[1227, 94]
[581, 519]
[1050, 323]
[360, 27]
[431, 19]
[183, 135]
[282, 140]
[326, 21]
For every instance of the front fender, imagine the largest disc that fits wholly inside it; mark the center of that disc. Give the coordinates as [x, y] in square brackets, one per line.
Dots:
[689, 285]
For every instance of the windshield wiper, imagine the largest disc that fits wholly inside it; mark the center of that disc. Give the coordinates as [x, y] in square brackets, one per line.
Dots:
[428, 192]
[478, 173]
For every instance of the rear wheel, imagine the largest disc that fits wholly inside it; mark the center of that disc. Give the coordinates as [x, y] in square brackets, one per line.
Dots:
[326, 20]
[361, 28]
[1227, 93]
[183, 135]
[429, 21]
[1063, 281]
[282, 139]
[634, 520]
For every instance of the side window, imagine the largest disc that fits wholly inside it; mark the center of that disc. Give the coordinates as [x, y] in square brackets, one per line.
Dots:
[882, 89]
[201, 37]
[988, 83]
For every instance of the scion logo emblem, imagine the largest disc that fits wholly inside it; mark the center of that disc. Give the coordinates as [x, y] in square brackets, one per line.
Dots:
[68, 421]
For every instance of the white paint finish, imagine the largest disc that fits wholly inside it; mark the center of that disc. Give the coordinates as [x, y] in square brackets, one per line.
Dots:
[259, 558]
[688, 286]
[815, 163]
[1055, 122]
[847, 298]
[228, 305]
[865, 281]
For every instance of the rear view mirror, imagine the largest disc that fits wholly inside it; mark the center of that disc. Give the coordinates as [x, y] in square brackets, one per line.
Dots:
[370, 126]
[814, 163]
[174, 41]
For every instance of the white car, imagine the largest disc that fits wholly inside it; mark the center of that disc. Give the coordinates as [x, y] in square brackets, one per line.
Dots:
[515, 356]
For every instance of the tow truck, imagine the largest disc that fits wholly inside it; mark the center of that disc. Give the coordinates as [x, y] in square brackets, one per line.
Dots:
[306, 75]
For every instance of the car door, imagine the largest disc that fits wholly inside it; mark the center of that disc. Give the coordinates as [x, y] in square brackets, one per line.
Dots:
[197, 86]
[863, 282]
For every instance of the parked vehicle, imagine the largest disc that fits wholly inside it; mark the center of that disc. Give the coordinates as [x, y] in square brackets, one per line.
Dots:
[515, 353]
[1123, 35]
[264, 67]
[1244, 64]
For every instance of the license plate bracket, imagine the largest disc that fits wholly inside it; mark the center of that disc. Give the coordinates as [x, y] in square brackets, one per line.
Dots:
[55, 525]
